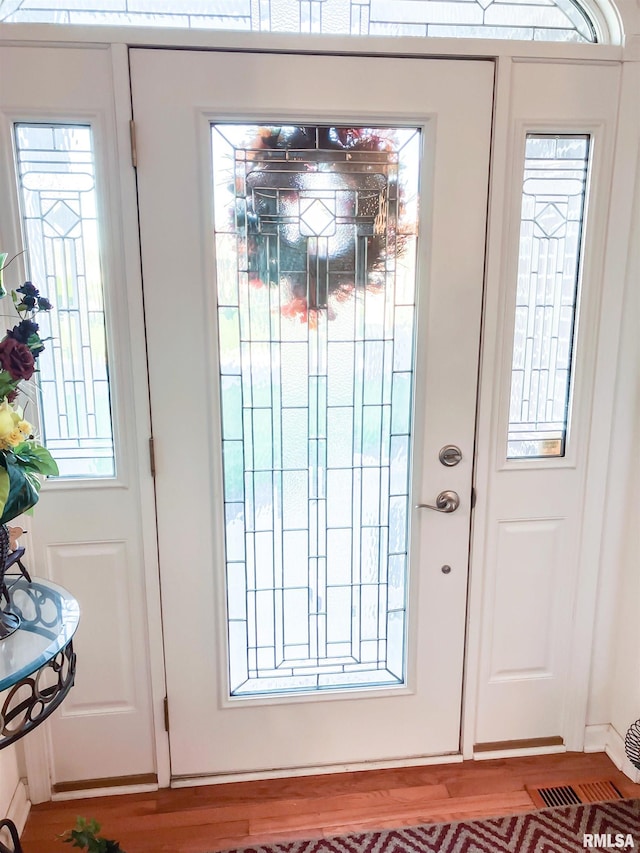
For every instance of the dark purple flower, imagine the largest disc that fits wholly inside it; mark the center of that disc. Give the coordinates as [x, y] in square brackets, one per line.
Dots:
[44, 304]
[28, 302]
[23, 331]
[29, 289]
[16, 358]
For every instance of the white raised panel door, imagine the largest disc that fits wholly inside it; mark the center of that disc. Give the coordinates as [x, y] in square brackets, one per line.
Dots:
[218, 725]
[91, 534]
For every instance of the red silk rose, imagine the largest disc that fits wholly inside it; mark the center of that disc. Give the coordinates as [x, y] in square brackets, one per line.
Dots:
[16, 359]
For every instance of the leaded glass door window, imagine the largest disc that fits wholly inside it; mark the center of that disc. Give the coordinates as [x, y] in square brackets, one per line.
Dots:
[316, 230]
[320, 334]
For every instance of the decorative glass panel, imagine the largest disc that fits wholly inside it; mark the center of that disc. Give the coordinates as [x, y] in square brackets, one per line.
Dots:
[553, 200]
[56, 174]
[540, 20]
[315, 231]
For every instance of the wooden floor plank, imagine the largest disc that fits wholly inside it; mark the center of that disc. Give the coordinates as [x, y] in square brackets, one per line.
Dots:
[205, 819]
[379, 816]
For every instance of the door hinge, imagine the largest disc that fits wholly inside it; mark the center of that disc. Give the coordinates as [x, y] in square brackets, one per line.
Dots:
[152, 456]
[474, 497]
[166, 713]
[134, 145]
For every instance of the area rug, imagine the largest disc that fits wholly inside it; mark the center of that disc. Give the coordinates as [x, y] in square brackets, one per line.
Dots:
[567, 829]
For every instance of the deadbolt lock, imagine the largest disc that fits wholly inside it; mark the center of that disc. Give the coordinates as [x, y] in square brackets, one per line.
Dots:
[450, 455]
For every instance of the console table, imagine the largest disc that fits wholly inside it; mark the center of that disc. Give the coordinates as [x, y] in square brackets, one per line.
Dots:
[37, 662]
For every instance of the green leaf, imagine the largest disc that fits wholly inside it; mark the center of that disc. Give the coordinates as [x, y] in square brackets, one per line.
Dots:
[7, 383]
[34, 341]
[34, 457]
[4, 488]
[22, 494]
[85, 837]
[34, 480]
[3, 258]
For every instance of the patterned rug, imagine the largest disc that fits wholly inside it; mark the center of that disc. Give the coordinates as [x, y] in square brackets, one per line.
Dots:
[568, 829]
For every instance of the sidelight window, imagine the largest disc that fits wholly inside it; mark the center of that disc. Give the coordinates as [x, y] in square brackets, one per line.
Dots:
[57, 184]
[553, 205]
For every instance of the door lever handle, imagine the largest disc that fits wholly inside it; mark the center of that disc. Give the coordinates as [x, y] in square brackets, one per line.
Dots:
[445, 502]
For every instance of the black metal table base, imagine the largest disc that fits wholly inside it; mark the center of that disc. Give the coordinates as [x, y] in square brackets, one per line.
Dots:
[15, 839]
[36, 696]
[32, 700]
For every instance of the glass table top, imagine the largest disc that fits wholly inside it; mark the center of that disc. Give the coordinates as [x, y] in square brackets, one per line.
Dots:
[49, 617]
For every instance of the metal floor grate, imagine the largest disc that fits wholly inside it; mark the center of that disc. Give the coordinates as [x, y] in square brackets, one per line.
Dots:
[574, 794]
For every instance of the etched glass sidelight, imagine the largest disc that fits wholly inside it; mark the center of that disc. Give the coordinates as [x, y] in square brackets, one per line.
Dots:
[553, 201]
[56, 173]
[315, 241]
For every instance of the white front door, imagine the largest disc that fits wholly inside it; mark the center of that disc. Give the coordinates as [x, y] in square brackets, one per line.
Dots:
[312, 234]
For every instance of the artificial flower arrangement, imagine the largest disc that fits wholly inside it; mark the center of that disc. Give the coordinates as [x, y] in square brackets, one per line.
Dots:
[23, 459]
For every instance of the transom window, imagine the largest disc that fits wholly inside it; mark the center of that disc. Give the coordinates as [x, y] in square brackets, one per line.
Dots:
[532, 20]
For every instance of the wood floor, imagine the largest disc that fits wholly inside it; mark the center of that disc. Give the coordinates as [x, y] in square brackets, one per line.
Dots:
[218, 817]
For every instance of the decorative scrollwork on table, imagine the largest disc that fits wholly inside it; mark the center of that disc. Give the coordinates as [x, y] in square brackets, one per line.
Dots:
[37, 607]
[34, 698]
[632, 744]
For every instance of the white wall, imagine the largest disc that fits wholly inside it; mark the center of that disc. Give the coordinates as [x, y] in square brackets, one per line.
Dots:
[615, 677]
[625, 692]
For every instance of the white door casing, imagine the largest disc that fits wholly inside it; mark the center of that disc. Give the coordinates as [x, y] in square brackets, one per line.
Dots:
[94, 536]
[38, 90]
[537, 525]
[176, 95]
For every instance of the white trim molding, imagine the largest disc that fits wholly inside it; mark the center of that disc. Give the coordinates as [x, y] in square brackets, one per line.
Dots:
[37, 759]
[614, 748]
[519, 753]
[19, 806]
[596, 738]
[605, 738]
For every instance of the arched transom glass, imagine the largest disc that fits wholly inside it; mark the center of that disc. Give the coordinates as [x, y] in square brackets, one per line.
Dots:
[534, 20]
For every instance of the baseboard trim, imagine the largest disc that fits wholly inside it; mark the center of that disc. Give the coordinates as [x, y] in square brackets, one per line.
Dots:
[19, 806]
[37, 759]
[615, 750]
[103, 792]
[596, 738]
[519, 753]
[606, 738]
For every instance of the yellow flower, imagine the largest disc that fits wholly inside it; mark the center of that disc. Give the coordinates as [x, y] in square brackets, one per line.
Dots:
[7, 422]
[15, 438]
[13, 428]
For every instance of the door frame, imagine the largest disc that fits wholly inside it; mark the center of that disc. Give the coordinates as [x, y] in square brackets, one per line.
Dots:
[196, 702]
[601, 494]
